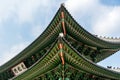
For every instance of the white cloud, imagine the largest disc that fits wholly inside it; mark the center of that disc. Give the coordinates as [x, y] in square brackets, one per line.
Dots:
[81, 8]
[22, 10]
[14, 50]
[26, 9]
[108, 22]
[37, 30]
[104, 20]
[7, 8]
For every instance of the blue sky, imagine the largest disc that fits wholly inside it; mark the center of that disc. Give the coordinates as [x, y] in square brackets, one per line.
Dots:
[22, 21]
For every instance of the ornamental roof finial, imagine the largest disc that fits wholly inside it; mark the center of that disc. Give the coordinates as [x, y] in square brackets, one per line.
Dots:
[62, 4]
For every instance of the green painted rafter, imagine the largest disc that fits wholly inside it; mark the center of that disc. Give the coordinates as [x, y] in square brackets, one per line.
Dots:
[71, 57]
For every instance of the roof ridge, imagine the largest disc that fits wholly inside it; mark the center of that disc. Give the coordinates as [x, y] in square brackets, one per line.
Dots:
[107, 37]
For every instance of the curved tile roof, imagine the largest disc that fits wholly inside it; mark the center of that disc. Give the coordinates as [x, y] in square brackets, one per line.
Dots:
[72, 28]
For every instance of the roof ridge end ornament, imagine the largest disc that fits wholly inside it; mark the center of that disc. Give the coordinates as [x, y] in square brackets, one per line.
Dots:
[62, 4]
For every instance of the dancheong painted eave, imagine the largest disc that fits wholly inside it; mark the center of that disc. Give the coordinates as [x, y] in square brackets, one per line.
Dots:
[91, 47]
[71, 57]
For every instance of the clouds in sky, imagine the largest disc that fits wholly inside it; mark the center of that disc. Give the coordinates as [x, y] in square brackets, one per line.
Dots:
[108, 23]
[102, 19]
[21, 21]
[21, 10]
[13, 51]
